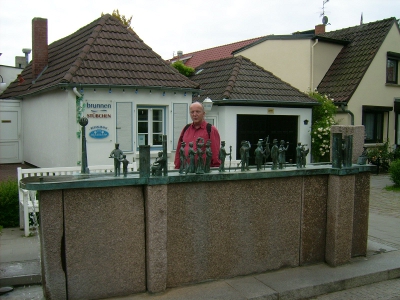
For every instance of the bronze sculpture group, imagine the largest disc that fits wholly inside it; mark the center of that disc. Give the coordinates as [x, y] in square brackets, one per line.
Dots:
[199, 161]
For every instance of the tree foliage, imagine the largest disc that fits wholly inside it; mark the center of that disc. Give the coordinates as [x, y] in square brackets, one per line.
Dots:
[185, 70]
[124, 20]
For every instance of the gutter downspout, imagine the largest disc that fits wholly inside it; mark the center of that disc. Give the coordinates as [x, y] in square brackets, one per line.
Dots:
[349, 112]
[312, 66]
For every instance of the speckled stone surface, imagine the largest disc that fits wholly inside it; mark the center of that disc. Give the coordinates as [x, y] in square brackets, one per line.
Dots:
[313, 223]
[104, 242]
[51, 233]
[156, 237]
[358, 133]
[361, 214]
[222, 230]
[340, 207]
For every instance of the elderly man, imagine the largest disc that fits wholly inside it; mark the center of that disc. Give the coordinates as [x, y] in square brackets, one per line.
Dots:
[199, 128]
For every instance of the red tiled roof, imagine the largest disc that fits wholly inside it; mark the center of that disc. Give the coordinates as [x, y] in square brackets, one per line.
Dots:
[195, 59]
[101, 53]
[238, 78]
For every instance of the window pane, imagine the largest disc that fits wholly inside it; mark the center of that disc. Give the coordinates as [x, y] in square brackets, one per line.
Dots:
[157, 127]
[157, 139]
[157, 115]
[143, 115]
[143, 127]
[369, 126]
[391, 70]
[379, 127]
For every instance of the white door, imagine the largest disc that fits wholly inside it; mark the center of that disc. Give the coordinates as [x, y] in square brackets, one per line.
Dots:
[10, 144]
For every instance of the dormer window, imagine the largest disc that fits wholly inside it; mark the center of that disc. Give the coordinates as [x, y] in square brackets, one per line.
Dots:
[392, 67]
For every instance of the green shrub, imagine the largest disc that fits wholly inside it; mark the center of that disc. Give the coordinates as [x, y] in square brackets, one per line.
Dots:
[9, 205]
[394, 172]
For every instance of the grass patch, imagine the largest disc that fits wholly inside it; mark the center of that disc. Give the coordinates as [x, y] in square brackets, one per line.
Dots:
[393, 188]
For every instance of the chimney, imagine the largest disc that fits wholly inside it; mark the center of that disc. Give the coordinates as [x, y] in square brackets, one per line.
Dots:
[319, 29]
[180, 53]
[39, 46]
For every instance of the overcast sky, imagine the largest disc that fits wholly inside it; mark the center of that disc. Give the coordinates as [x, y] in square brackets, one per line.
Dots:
[169, 26]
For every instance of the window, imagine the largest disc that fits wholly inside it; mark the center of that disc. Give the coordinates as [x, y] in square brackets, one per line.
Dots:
[392, 67]
[373, 122]
[391, 71]
[151, 122]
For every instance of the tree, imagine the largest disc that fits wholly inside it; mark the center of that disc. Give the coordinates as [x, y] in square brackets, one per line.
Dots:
[126, 22]
[184, 70]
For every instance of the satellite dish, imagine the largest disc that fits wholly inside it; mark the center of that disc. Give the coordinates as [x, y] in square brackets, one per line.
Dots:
[325, 20]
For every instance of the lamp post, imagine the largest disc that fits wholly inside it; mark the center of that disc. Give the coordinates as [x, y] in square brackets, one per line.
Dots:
[84, 169]
[207, 104]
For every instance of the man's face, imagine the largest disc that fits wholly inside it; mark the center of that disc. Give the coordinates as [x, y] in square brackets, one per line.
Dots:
[197, 113]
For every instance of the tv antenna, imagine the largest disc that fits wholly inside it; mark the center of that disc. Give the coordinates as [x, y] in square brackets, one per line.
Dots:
[324, 17]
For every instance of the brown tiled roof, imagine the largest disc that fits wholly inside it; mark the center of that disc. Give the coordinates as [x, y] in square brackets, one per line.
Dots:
[239, 79]
[349, 67]
[102, 53]
[195, 59]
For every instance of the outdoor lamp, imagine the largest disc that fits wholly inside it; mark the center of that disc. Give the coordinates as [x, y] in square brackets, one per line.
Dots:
[305, 122]
[3, 85]
[207, 104]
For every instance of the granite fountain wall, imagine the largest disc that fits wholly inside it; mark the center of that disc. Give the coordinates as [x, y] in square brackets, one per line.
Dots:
[103, 236]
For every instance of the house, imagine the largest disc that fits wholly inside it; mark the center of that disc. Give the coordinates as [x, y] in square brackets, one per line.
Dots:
[9, 111]
[106, 73]
[250, 103]
[358, 67]
[195, 59]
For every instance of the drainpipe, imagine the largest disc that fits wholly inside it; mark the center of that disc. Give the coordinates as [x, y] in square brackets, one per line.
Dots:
[312, 66]
[349, 112]
[75, 90]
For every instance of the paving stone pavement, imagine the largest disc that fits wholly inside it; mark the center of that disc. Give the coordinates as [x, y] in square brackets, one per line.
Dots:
[385, 290]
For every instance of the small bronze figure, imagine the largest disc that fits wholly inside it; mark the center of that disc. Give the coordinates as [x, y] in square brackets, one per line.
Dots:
[208, 157]
[304, 153]
[125, 164]
[282, 153]
[299, 155]
[275, 154]
[182, 158]
[222, 156]
[158, 165]
[191, 153]
[244, 155]
[117, 154]
[199, 153]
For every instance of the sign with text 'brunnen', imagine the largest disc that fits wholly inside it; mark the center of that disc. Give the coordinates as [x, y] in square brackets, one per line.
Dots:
[99, 114]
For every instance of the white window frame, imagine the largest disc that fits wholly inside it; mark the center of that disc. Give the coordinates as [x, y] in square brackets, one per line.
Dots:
[150, 124]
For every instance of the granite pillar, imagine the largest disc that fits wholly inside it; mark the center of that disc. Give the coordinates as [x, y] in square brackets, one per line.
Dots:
[340, 208]
[51, 240]
[358, 133]
[156, 237]
[361, 214]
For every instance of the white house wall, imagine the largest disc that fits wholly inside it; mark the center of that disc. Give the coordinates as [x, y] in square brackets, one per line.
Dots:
[227, 118]
[47, 137]
[324, 54]
[286, 59]
[98, 152]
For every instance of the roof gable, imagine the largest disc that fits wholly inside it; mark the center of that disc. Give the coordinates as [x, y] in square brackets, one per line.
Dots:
[102, 53]
[238, 78]
[351, 64]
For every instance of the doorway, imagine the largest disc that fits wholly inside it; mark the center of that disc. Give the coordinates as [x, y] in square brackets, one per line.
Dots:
[254, 127]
